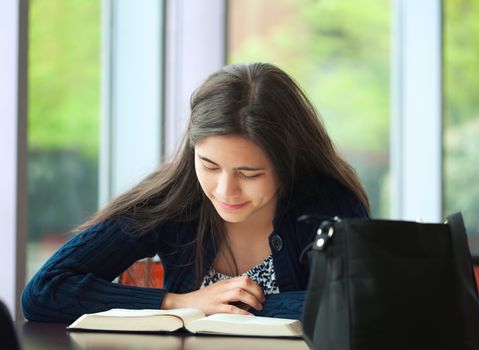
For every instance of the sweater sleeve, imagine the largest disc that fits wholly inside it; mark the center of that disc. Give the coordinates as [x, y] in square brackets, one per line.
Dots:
[283, 305]
[77, 279]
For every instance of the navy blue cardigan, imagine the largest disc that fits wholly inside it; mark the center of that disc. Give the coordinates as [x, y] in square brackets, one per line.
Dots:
[77, 279]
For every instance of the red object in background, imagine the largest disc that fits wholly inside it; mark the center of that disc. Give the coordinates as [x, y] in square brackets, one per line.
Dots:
[476, 273]
[144, 273]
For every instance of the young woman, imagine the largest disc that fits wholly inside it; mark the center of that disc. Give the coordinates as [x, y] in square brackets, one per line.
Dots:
[222, 215]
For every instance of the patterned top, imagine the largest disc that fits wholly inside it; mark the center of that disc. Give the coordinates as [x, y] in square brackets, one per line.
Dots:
[263, 274]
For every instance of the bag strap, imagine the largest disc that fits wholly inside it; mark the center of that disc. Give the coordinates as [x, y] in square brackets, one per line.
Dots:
[316, 284]
[462, 255]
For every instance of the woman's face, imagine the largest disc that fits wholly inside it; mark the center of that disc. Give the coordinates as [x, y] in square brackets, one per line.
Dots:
[237, 176]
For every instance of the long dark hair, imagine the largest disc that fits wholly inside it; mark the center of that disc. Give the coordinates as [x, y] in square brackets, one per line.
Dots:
[261, 102]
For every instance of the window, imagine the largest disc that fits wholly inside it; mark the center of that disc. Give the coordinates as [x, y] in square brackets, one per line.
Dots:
[461, 113]
[63, 121]
[340, 54]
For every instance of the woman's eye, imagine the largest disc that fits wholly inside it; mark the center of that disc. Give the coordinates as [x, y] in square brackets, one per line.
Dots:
[248, 177]
[209, 169]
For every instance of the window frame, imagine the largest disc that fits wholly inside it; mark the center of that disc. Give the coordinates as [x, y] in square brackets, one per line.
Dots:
[416, 132]
[13, 150]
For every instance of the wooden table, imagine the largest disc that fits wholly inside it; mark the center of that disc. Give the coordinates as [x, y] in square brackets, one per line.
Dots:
[54, 336]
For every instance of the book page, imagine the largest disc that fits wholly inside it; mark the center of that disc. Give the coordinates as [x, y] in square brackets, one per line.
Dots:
[185, 314]
[137, 320]
[246, 325]
[245, 319]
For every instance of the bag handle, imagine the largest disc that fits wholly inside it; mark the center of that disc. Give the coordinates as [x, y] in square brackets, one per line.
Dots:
[461, 252]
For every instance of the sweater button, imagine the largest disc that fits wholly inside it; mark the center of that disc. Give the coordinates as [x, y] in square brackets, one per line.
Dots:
[276, 243]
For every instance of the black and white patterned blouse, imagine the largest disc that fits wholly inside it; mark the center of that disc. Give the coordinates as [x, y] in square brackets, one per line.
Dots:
[263, 274]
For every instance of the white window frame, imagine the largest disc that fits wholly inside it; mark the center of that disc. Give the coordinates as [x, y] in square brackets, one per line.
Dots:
[416, 128]
[13, 150]
[195, 48]
[132, 90]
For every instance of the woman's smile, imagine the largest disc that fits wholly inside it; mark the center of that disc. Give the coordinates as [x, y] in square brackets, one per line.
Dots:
[228, 206]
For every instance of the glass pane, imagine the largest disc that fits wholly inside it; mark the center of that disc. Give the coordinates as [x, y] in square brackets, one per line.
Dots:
[63, 121]
[461, 113]
[339, 52]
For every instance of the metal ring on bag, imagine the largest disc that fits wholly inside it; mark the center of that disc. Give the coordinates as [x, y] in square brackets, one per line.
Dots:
[330, 231]
[320, 242]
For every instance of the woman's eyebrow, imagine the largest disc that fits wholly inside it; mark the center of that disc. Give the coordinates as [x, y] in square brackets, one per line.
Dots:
[207, 160]
[243, 168]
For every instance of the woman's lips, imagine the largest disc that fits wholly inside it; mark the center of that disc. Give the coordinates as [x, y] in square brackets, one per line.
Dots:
[231, 206]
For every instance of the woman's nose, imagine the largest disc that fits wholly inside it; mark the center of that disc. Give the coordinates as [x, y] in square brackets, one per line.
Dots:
[227, 186]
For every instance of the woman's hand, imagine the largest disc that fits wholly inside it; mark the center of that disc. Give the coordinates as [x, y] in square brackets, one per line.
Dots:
[234, 296]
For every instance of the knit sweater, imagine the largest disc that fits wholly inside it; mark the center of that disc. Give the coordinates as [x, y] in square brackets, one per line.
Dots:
[77, 279]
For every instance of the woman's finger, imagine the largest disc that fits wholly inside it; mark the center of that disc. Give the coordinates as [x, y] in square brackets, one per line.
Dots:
[232, 309]
[250, 286]
[241, 295]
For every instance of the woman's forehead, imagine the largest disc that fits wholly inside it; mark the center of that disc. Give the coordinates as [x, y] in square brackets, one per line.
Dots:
[230, 149]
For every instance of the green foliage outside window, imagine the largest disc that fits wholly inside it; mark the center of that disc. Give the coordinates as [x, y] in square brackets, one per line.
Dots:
[63, 115]
[64, 75]
[461, 113]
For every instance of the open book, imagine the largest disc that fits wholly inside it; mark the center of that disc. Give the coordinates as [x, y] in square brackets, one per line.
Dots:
[193, 320]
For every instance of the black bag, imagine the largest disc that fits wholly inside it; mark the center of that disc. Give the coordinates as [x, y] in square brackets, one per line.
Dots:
[8, 336]
[379, 284]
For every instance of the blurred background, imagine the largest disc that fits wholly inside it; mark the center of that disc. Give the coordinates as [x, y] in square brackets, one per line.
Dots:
[340, 52]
